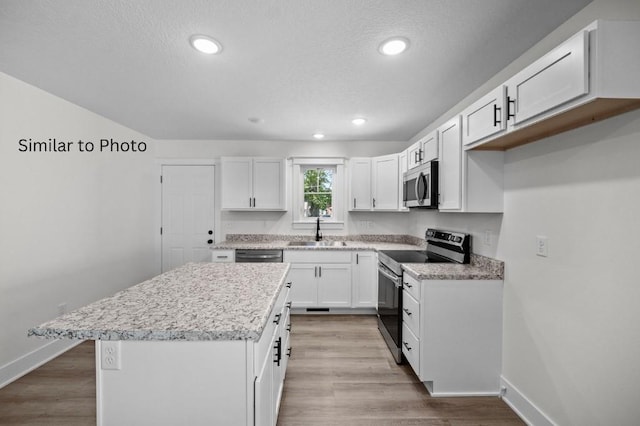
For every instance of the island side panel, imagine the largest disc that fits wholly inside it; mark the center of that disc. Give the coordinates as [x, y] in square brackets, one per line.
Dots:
[174, 382]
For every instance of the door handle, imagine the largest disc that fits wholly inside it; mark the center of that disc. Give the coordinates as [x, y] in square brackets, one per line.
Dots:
[408, 312]
[209, 241]
[210, 232]
[406, 345]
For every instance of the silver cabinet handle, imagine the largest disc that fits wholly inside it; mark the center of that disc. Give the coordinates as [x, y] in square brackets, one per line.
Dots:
[222, 257]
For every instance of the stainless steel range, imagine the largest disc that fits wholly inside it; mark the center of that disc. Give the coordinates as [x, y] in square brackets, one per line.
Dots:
[442, 247]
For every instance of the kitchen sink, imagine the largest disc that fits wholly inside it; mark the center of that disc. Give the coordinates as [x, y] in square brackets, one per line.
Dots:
[317, 243]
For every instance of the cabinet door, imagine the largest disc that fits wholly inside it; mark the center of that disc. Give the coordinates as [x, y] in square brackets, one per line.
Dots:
[450, 166]
[304, 287]
[268, 183]
[236, 176]
[429, 147]
[360, 184]
[413, 155]
[556, 78]
[364, 280]
[385, 182]
[486, 117]
[263, 390]
[402, 168]
[334, 285]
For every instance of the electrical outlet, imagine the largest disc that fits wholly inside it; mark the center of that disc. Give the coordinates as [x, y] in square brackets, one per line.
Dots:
[62, 308]
[487, 237]
[110, 355]
[542, 246]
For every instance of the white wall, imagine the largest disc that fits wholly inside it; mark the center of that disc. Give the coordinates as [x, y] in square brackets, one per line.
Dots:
[572, 320]
[281, 222]
[74, 227]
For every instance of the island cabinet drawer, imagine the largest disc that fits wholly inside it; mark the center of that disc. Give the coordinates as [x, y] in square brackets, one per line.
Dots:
[411, 312]
[411, 285]
[223, 256]
[317, 256]
[411, 348]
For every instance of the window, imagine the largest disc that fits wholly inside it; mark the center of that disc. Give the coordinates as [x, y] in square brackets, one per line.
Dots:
[317, 192]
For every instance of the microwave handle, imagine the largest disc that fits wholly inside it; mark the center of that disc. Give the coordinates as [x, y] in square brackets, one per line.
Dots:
[416, 188]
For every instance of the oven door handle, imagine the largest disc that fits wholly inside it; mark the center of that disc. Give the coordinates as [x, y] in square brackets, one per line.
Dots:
[396, 280]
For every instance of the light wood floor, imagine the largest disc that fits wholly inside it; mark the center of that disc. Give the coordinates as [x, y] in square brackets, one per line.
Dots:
[340, 373]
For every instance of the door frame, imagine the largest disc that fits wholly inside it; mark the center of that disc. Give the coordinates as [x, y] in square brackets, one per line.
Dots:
[215, 162]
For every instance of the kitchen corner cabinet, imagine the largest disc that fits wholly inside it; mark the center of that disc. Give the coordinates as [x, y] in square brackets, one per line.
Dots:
[322, 279]
[452, 335]
[374, 183]
[253, 183]
[364, 281]
[591, 76]
[469, 181]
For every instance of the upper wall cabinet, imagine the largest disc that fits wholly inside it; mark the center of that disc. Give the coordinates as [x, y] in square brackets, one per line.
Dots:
[590, 77]
[426, 149]
[469, 181]
[253, 183]
[374, 183]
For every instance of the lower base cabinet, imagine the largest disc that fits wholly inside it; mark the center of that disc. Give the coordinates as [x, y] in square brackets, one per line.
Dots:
[452, 335]
[322, 278]
[222, 382]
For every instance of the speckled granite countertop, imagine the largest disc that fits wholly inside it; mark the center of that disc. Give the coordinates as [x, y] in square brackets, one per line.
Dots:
[354, 242]
[480, 268]
[197, 301]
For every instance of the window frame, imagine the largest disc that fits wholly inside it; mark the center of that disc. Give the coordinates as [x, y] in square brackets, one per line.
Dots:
[300, 165]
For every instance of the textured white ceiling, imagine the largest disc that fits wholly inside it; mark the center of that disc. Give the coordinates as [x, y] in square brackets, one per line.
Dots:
[299, 65]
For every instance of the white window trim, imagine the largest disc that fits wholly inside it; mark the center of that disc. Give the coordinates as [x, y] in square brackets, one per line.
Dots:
[299, 222]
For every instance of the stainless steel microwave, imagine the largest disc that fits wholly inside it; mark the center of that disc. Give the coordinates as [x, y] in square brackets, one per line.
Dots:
[420, 186]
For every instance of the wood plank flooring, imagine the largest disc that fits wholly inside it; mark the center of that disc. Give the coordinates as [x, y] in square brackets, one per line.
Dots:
[340, 372]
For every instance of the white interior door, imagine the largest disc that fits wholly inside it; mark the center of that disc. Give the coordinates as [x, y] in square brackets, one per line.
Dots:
[187, 214]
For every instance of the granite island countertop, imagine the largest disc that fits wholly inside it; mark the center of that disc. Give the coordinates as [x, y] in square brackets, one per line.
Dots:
[197, 301]
[480, 268]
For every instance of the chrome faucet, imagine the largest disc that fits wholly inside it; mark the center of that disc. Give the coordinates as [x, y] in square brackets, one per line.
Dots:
[318, 234]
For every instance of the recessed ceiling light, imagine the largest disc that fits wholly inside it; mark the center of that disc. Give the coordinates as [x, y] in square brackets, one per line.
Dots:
[318, 135]
[256, 120]
[359, 121]
[205, 44]
[394, 46]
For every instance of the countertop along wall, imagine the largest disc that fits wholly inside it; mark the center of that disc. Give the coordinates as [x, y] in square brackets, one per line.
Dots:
[571, 320]
[74, 227]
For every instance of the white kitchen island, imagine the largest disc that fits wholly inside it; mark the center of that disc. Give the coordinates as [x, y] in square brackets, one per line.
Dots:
[203, 344]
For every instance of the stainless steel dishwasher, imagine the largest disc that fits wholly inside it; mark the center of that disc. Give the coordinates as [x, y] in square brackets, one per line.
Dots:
[258, 256]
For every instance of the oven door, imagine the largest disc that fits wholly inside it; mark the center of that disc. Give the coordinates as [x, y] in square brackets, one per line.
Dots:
[390, 310]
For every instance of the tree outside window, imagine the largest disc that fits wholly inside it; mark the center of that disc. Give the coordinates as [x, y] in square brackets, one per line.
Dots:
[318, 192]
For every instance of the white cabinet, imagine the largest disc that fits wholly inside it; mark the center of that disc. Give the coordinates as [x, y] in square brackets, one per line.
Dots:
[321, 279]
[253, 183]
[450, 166]
[426, 149]
[360, 184]
[364, 281]
[385, 182]
[558, 77]
[469, 181]
[374, 183]
[485, 117]
[452, 335]
[579, 82]
[223, 256]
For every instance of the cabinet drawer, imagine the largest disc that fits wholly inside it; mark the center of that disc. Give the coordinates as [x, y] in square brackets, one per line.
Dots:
[411, 285]
[411, 348]
[223, 255]
[411, 312]
[317, 256]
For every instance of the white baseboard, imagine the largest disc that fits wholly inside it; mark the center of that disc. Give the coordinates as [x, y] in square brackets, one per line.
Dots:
[23, 365]
[524, 408]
